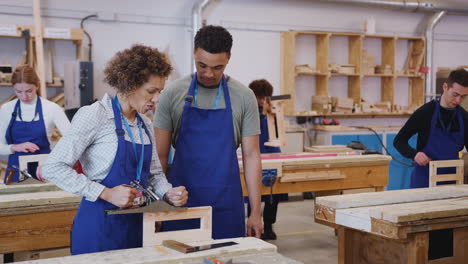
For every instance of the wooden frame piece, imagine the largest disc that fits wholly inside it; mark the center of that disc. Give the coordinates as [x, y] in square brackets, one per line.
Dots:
[151, 237]
[434, 178]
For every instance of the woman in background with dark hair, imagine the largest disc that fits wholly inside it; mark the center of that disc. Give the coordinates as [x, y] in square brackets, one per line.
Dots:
[27, 122]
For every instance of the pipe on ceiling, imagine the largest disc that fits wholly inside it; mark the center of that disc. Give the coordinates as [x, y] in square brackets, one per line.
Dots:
[197, 22]
[451, 6]
[430, 87]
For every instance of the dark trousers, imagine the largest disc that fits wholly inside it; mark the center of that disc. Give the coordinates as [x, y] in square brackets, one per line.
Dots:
[270, 209]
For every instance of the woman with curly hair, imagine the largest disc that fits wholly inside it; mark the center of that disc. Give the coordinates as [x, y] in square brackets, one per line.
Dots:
[27, 123]
[114, 142]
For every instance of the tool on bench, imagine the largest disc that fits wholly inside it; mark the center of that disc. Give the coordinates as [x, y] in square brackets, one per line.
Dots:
[23, 175]
[212, 260]
[146, 202]
[184, 248]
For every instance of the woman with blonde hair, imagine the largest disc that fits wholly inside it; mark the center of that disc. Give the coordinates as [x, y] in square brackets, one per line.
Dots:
[28, 121]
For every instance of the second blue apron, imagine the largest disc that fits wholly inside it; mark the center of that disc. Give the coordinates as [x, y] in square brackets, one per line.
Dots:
[442, 144]
[20, 131]
[206, 164]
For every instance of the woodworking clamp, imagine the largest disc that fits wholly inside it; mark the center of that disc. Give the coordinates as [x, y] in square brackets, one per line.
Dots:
[268, 179]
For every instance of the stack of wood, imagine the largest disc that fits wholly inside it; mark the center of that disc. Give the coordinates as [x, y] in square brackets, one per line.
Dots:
[367, 63]
[306, 68]
[321, 104]
[328, 149]
[384, 69]
[342, 69]
[384, 106]
[342, 105]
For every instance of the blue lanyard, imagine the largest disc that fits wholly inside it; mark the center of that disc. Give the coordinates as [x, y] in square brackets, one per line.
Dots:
[218, 95]
[130, 134]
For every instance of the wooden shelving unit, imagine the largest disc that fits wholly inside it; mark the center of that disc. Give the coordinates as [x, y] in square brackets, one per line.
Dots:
[75, 35]
[355, 57]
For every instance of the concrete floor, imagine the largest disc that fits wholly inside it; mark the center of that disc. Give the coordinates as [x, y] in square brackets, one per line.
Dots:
[300, 238]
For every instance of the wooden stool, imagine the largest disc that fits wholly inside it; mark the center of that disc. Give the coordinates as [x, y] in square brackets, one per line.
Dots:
[434, 178]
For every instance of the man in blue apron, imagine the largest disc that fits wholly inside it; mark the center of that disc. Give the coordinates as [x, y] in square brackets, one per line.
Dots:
[263, 91]
[441, 126]
[207, 115]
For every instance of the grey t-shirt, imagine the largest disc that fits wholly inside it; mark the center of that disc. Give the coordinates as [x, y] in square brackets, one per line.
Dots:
[243, 103]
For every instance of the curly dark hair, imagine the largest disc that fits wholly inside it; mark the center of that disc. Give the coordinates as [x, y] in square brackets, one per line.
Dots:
[261, 88]
[131, 68]
[214, 39]
[459, 76]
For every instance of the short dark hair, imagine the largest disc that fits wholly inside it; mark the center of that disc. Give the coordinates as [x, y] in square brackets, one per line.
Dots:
[213, 39]
[459, 76]
[261, 88]
[131, 68]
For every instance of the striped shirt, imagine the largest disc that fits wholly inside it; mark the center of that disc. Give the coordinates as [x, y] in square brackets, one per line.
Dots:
[92, 140]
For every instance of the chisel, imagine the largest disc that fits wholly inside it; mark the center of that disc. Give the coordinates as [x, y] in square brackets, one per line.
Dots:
[184, 248]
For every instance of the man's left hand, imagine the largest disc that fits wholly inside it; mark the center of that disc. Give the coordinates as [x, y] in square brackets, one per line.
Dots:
[254, 226]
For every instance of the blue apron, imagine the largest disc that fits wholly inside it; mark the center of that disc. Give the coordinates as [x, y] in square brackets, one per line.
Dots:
[23, 131]
[441, 145]
[206, 164]
[95, 231]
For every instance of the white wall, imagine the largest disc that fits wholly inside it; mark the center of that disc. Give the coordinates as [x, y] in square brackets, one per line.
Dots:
[254, 24]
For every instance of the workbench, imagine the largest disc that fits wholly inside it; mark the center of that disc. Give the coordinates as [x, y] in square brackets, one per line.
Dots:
[307, 172]
[427, 225]
[35, 216]
[248, 250]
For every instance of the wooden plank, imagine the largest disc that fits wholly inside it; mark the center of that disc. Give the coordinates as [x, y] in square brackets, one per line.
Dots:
[27, 188]
[400, 213]
[312, 176]
[37, 199]
[388, 89]
[288, 76]
[247, 246]
[39, 47]
[393, 197]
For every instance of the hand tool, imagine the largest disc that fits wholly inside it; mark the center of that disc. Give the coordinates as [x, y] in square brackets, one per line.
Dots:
[184, 248]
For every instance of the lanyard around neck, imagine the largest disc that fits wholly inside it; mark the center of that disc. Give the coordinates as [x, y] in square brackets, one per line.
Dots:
[130, 134]
[218, 96]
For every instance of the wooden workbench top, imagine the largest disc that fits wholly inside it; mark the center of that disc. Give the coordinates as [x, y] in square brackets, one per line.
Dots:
[322, 160]
[249, 249]
[396, 213]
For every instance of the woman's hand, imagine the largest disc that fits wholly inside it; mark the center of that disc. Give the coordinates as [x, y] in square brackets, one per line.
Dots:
[176, 196]
[39, 173]
[25, 147]
[121, 196]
